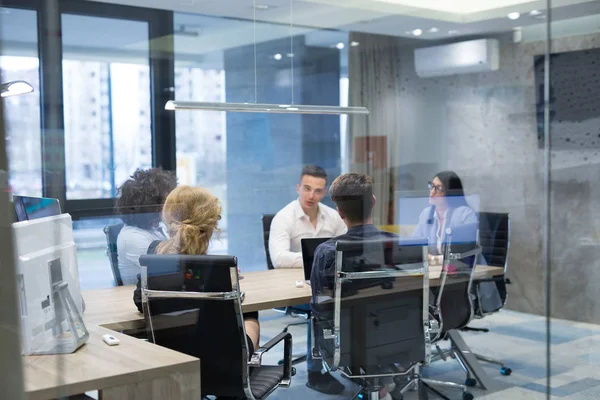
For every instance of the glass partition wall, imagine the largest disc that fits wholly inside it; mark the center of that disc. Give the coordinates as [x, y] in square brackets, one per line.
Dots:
[491, 101]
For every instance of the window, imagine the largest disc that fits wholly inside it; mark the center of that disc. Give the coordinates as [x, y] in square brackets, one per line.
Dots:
[112, 86]
[19, 61]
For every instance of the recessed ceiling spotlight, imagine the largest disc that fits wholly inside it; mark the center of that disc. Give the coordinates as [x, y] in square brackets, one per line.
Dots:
[277, 56]
[417, 32]
[514, 15]
[452, 32]
[340, 45]
[535, 13]
[434, 30]
[354, 44]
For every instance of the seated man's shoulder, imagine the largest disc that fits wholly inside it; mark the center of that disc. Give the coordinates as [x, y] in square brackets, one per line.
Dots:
[287, 210]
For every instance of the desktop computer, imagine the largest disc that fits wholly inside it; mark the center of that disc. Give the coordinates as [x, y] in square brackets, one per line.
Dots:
[48, 286]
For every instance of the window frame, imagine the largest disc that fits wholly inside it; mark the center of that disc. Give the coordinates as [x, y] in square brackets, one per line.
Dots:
[162, 83]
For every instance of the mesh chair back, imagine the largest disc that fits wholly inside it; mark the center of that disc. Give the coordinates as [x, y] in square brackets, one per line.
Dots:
[112, 232]
[454, 302]
[494, 237]
[201, 316]
[266, 224]
[377, 313]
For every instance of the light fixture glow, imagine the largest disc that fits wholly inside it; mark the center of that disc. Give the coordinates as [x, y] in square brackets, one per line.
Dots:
[262, 7]
[277, 56]
[15, 88]
[173, 105]
[514, 15]
[535, 13]
[434, 30]
[463, 7]
[417, 32]
[340, 45]
[354, 44]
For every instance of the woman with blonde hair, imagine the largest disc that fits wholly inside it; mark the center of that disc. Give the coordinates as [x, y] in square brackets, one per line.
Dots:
[191, 215]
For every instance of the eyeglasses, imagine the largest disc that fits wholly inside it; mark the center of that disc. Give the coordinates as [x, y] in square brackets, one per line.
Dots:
[438, 188]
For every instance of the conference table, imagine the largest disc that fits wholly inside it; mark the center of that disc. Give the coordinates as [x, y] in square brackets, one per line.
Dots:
[137, 369]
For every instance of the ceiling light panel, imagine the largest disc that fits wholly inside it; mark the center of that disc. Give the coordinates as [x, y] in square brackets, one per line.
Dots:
[463, 7]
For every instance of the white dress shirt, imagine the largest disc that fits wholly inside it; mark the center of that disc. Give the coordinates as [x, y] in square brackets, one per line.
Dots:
[133, 242]
[291, 224]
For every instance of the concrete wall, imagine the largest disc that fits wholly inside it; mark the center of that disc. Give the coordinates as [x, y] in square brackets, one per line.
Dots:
[488, 125]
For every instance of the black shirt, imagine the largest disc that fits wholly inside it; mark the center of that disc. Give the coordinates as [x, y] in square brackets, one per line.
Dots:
[323, 270]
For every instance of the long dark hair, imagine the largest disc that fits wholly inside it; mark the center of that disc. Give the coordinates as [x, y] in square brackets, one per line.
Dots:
[455, 194]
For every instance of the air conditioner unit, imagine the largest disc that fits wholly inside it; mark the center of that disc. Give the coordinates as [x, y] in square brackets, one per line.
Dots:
[480, 55]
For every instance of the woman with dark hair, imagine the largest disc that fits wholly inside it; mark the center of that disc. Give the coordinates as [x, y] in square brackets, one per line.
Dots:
[448, 209]
[139, 205]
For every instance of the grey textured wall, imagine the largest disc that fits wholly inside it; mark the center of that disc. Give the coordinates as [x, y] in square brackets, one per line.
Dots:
[487, 123]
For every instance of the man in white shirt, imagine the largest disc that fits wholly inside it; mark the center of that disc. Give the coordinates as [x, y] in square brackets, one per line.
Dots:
[306, 217]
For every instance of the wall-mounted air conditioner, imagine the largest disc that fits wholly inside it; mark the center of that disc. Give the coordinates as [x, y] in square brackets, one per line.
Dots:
[480, 55]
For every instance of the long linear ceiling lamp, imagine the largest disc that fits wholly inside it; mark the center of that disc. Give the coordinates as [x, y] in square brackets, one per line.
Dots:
[15, 88]
[174, 105]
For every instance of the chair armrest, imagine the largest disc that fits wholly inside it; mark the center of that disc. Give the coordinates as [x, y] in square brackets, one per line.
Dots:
[286, 337]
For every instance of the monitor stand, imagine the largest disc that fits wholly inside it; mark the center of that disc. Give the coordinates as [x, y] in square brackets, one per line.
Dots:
[69, 331]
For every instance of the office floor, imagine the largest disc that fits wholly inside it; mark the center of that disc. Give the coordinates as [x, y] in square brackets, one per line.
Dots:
[517, 339]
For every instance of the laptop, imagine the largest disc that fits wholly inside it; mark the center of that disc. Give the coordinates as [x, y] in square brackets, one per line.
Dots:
[28, 208]
[309, 245]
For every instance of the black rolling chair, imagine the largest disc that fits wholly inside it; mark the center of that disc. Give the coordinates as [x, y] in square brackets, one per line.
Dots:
[192, 304]
[453, 306]
[494, 237]
[370, 327]
[112, 232]
[293, 311]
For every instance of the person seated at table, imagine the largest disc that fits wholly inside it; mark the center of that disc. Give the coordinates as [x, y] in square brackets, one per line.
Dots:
[306, 217]
[139, 204]
[191, 215]
[448, 209]
[353, 196]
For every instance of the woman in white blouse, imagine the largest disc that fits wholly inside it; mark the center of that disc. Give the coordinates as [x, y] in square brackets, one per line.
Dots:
[139, 205]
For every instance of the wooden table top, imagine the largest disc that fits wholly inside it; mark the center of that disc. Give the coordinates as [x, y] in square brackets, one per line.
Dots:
[114, 308]
[98, 366]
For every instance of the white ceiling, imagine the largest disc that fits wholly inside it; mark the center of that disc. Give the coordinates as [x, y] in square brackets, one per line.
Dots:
[202, 37]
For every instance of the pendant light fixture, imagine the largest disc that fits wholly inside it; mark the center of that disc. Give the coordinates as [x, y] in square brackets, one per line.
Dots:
[174, 105]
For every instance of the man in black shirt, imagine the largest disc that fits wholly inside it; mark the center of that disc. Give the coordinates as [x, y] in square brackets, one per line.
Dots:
[353, 195]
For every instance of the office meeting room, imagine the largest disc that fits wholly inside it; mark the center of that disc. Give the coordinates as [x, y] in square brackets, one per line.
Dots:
[299, 199]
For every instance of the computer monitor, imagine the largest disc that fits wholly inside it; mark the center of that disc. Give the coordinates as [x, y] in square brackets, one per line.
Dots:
[409, 206]
[46, 260]
[309, 245]
[28, 208]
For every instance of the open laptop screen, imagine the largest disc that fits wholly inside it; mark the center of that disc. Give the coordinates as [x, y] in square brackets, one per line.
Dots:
[28, 208]
[309, 245]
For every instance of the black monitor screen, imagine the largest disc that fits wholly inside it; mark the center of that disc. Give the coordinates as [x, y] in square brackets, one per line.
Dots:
[309, 245]
[35, 207]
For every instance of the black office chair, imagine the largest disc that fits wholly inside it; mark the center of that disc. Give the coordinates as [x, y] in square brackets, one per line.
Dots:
[112, 232]
[370, 327]
[494, 236]
[293, 311]
[192, 304]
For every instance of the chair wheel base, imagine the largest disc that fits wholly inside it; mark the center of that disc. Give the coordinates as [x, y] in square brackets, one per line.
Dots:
[505, 371]
[467, 396]
[470, 382]
[396, 395]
